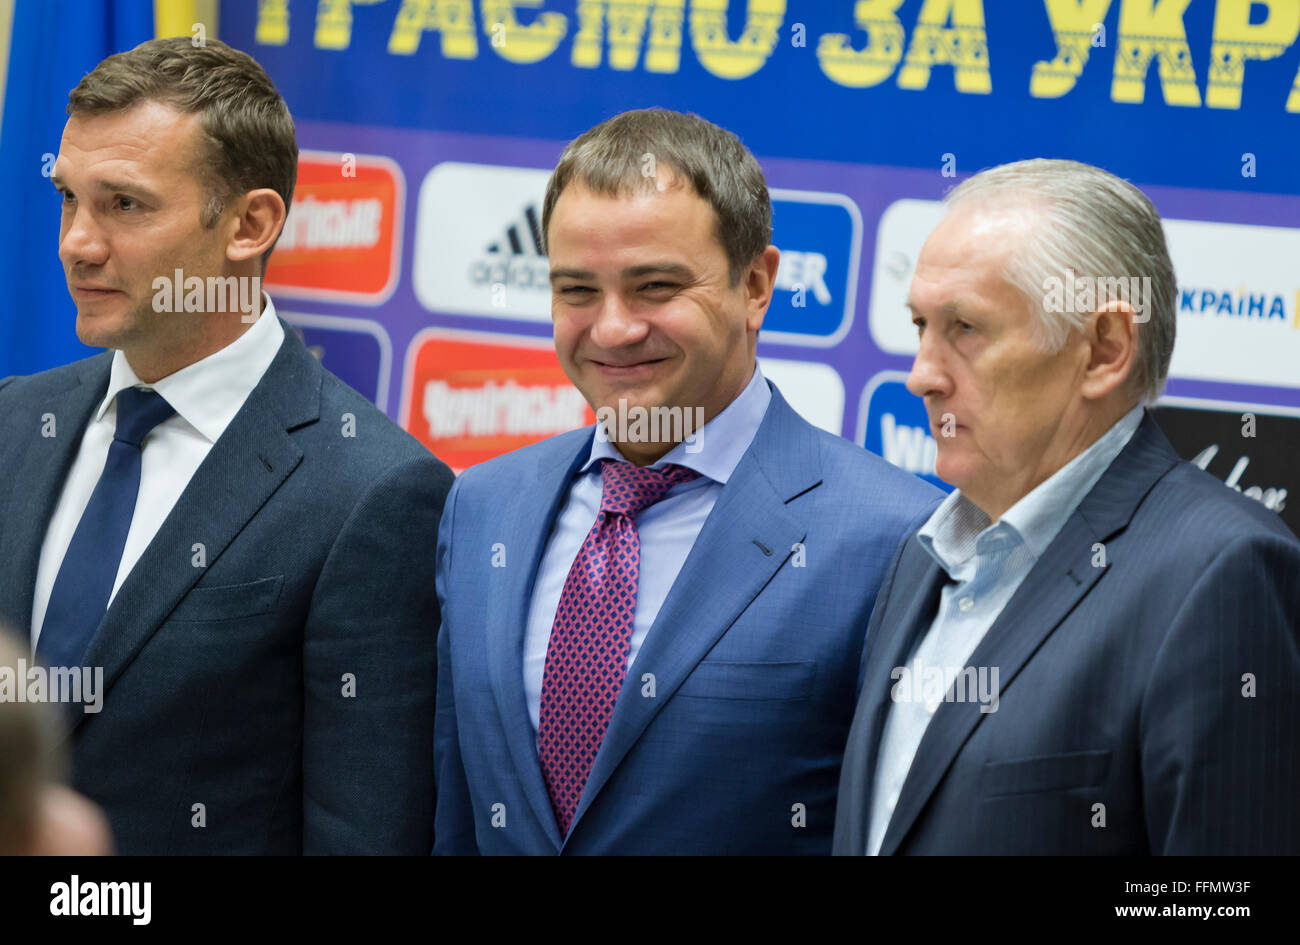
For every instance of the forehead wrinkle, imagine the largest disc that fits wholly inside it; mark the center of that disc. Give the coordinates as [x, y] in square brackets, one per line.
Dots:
[644, 269]
[143, 136]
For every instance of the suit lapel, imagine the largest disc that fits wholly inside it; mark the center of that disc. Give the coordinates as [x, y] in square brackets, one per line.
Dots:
[1056, 583]
[889, 644]
[1061, 578]
[530, 523]
[250, 461]
[41, 475]
[747, 538]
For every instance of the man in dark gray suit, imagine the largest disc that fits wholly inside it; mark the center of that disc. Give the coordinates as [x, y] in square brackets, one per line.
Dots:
[227, 548]
[1091, 646]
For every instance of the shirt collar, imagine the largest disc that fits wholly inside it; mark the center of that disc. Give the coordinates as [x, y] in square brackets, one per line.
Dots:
[953, 532]
[208, 393]
[718, 445]
[1040, 515]
[950, 533]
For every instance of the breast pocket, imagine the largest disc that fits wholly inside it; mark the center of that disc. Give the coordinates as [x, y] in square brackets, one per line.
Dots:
[1043, 773]
[229, 601]
[750, 682]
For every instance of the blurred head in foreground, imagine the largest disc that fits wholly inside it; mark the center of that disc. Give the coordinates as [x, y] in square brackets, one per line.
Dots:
[38, 816]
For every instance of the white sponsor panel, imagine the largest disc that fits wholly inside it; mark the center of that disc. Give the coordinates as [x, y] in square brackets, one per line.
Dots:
[902, 231]
[478, 242]
[1237, 300]
[1238, 288]
[815, 391]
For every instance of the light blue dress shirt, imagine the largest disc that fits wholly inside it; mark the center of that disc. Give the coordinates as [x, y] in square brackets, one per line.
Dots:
[667, 529]
[986, 563]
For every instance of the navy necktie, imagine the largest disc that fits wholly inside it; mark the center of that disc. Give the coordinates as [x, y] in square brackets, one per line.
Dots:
[85, 580]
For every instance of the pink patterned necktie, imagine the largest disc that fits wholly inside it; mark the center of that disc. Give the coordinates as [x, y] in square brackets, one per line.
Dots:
[586, 658]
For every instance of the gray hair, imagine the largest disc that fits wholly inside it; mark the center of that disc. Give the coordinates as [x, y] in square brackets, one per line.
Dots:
[623, 155]
[1095, 225]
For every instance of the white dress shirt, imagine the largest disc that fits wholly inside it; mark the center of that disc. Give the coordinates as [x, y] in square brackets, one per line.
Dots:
[667, 529]
[206, 395]
[987, 564]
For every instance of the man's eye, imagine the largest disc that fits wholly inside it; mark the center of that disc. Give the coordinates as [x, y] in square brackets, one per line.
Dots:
[965, 327]
[126, 203]
[657, 286]
[66, 196]
[920, 324]
[575, 290]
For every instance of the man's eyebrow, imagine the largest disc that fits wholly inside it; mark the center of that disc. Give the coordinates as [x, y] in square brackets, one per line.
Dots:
[952, 309]
[111, 186]
[585, 274]
[663, 268]
[679, 270]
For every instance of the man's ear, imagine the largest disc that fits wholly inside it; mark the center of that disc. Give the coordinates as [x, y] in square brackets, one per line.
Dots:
[1112, 337]
[259, 217]
[760, 282]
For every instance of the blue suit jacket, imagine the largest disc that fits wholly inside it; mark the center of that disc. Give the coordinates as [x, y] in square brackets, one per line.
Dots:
[755, 659]
[1121, 685]
[225, 684]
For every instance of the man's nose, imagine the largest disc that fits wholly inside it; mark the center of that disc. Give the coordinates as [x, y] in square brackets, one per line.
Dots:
[616, 325]
[929, 375]
[82, 241]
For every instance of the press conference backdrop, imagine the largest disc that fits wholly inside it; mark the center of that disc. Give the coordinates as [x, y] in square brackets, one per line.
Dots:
[411, 260]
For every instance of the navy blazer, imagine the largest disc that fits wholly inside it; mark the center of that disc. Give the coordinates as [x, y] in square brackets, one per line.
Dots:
[755, 654]
[1149, 671]
[278, 699]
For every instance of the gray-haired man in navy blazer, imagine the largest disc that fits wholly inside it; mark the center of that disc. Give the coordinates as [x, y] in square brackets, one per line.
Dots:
[1091, 646]
[236, 546]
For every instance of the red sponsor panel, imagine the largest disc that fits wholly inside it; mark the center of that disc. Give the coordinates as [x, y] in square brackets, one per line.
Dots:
[342, 239]
[469, 399]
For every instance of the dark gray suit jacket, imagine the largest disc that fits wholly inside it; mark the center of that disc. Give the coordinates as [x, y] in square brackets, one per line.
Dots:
[1148, 704]
[227, 685]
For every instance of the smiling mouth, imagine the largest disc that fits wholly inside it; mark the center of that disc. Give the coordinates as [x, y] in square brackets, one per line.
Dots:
[608, 368]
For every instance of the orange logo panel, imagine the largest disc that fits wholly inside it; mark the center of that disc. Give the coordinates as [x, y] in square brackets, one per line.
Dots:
[342, 237]
[469, 401]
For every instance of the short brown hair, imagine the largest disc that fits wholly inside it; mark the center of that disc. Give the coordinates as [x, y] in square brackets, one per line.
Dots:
[246, 124]
[612, 159]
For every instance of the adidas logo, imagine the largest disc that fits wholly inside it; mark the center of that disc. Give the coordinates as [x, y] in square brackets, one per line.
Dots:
[516, 235]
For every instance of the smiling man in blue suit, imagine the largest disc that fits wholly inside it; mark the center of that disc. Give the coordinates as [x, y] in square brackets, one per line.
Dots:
[238, 544]
[653, 627]
[1091, 647]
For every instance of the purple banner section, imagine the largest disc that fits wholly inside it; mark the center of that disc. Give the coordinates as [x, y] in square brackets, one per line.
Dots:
[492, 192]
